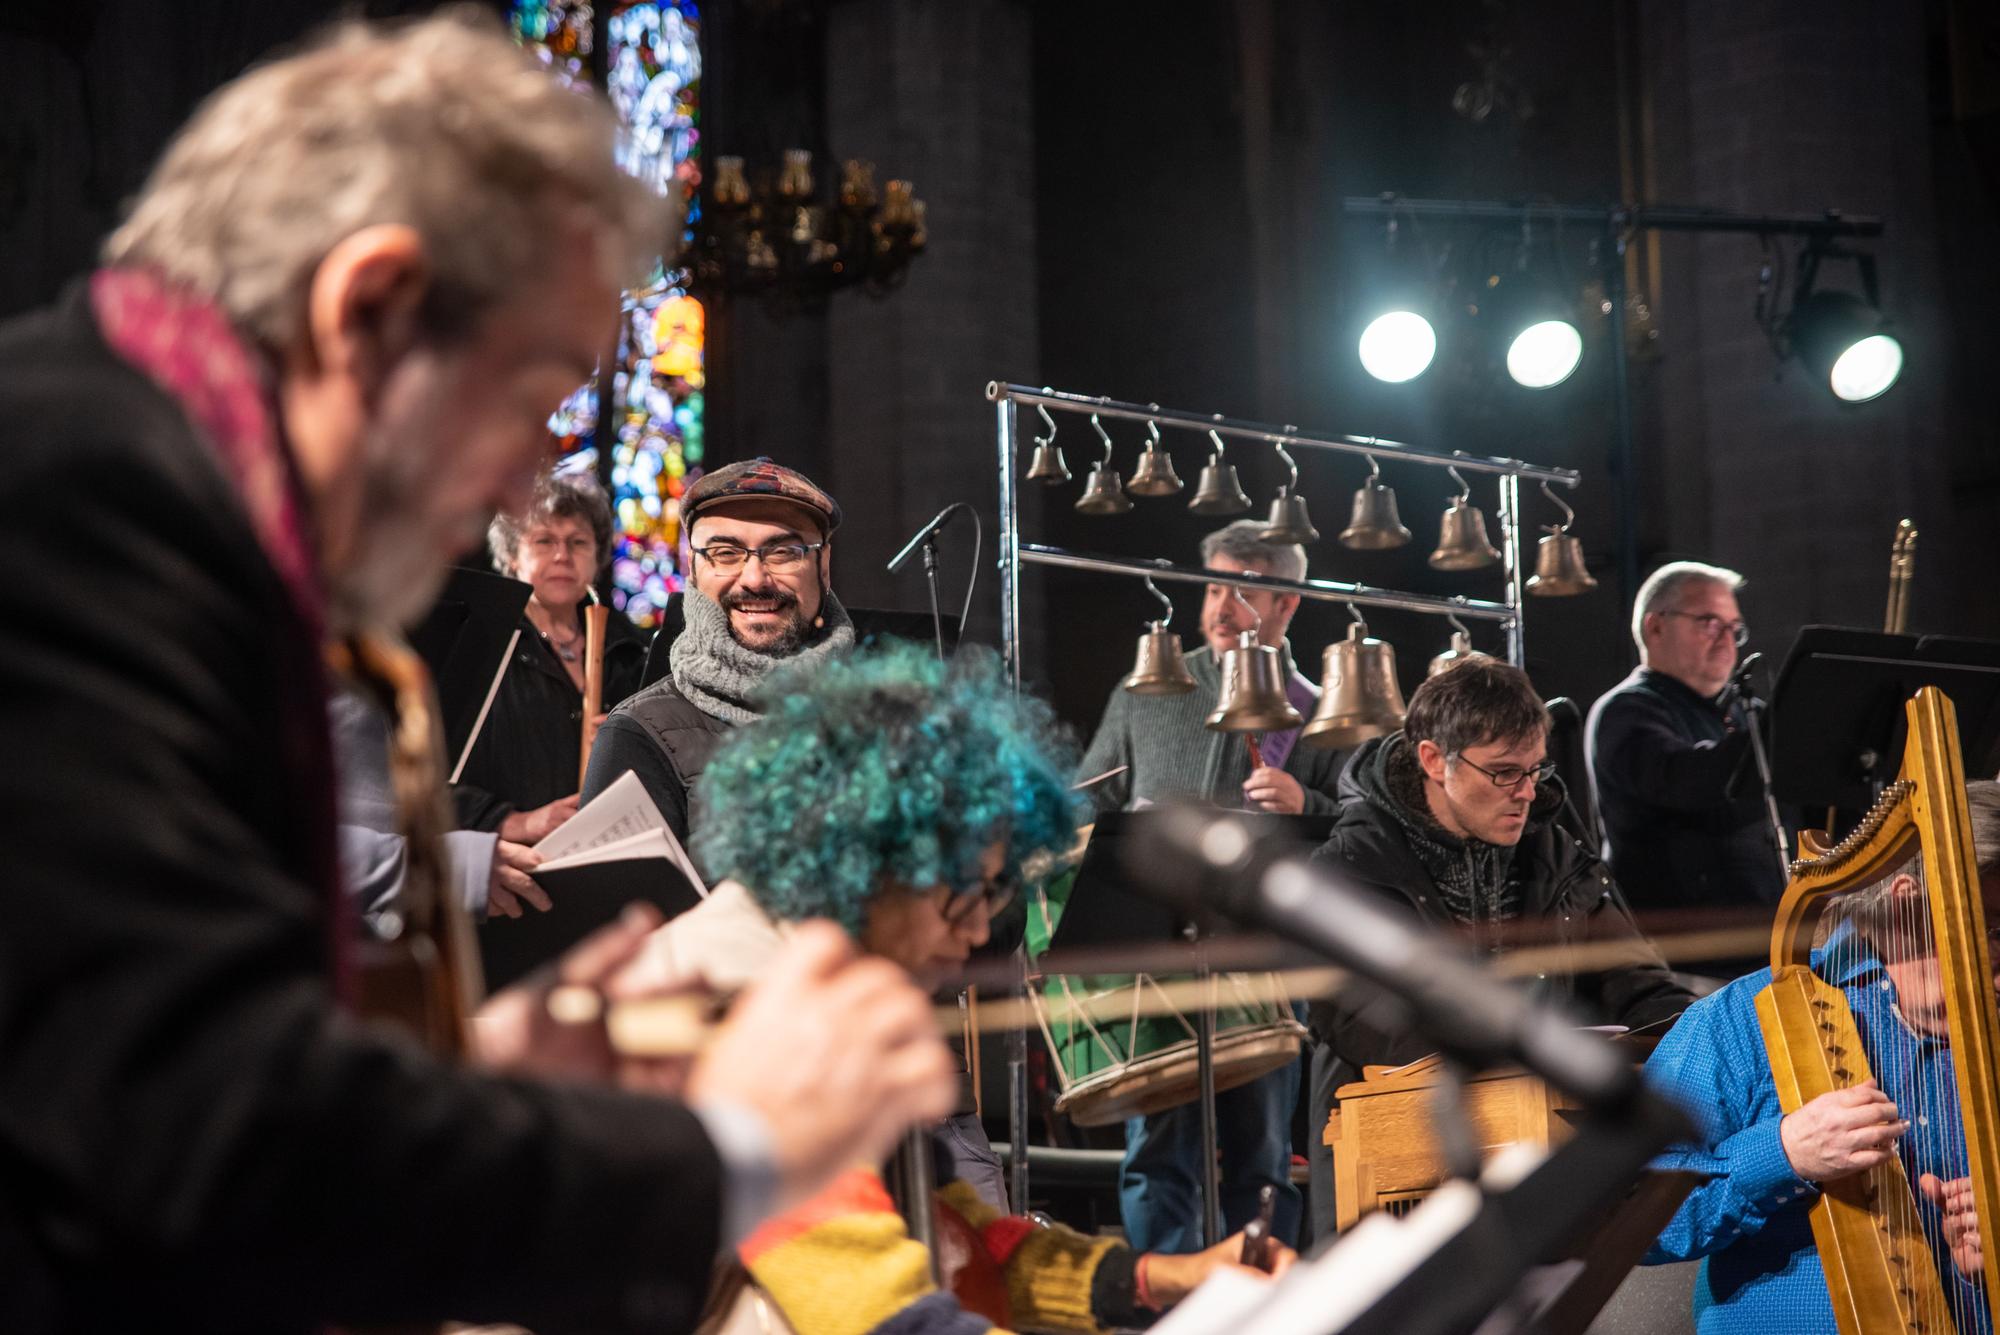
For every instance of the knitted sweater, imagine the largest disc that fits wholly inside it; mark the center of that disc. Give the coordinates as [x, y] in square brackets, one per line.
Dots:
[843, 1264]
[1172, 754]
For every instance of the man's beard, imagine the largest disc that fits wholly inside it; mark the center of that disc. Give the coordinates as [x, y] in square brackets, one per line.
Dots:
[790, 636]
[394, 575]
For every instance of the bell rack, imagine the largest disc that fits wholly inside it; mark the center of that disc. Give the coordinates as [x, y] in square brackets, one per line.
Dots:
[1508, 613]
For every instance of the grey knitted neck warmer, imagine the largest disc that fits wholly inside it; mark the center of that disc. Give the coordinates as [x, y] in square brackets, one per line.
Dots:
[721, 677]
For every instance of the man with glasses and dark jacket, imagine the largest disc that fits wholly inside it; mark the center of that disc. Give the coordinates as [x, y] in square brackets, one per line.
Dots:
[1457, 817]
[1668, 755]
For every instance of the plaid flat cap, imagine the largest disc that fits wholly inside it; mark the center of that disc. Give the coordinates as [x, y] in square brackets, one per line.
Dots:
[759, 479]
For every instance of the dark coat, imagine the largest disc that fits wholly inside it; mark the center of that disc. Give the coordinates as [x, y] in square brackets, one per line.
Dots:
[530, 752]
[1558, 880]
[1664, 761]
[193, 1136]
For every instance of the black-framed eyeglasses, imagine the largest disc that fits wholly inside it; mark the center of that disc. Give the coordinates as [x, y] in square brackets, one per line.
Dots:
[777, 557]
[995, 894]
[1710, 625]
[1510, 776]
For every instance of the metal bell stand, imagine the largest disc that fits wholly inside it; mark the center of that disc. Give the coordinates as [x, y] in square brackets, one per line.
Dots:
[1509, 614]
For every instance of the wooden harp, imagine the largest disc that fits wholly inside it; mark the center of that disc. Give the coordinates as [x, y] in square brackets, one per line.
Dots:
[1902, 892]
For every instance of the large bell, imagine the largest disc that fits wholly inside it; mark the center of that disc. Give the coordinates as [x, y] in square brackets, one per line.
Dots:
[1217, 492]
[1374, 526]
[1253, 690]
[1559, 568]
[1048, 465]
[1359, 697]
[1155, 474]
[1159, 668]
[1103, 493]
[1289, 520]
[1462, 543]
[1461, 649]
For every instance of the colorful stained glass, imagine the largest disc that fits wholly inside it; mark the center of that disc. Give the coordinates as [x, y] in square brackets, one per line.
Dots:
[655, 82]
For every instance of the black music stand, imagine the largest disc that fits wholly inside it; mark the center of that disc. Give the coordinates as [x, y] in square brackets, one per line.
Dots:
[1837, 717]
[462, 640]
[1102, 912]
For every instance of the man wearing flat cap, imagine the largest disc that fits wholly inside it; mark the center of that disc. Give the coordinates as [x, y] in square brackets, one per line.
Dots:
[760, 535]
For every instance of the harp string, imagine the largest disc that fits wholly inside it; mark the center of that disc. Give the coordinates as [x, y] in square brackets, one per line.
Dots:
[1904, 1035]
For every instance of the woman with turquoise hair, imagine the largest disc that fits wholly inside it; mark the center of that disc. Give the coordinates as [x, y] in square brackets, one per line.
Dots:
[896, 796]
[906, 800]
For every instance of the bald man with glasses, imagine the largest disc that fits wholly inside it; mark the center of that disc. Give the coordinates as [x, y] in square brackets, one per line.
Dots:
[1685, 825]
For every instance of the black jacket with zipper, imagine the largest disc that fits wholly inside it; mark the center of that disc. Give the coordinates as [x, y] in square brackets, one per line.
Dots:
[1555, 881]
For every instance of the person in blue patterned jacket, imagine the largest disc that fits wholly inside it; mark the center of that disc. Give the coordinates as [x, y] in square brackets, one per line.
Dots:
[1749, 1220]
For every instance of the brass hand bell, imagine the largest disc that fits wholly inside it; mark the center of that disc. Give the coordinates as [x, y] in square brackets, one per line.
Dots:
[1155, 474]
[1374, 525]
[1047, 466]
[1217, 492]
[1559, 567]
[1253, 690]
[1103, 493]
[1159, 668]
[1462, 542]
[1359, 697]
[1289, 521]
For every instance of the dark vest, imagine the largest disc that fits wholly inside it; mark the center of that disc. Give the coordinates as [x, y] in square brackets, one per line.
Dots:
[687, 736]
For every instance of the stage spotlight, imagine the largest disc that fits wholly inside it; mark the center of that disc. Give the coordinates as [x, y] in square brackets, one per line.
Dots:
[1842, 340]
[1544, 354]
[1397, 346]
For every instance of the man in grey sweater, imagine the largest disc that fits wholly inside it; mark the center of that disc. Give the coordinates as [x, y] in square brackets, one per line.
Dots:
[1171, 754]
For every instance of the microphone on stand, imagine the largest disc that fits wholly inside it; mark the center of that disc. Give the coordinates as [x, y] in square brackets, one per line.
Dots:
[925, 534]
[926, 540]
[1210, 862]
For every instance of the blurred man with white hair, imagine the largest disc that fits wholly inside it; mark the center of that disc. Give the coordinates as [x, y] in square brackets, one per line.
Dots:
[320, 353]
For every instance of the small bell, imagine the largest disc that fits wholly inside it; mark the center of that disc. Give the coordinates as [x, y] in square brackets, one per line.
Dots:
[1103, 493]
[1559, 568]
[1359, 697]
[1462, 543]
[1159, 668]
[1289, 520]
[1048, 465]
[1155, 474]
[1461, 649]
[1374, 525]
[1217, 492]
[1253, 690]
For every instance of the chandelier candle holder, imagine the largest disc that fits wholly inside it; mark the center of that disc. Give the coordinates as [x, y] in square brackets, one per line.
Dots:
[769, 235]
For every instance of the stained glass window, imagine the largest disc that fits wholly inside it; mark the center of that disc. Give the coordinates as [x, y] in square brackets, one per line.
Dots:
[654, 79]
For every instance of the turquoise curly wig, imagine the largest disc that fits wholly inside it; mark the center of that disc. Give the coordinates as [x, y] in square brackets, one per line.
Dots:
[884, 768]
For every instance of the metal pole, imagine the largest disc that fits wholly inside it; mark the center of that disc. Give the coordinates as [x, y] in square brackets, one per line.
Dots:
[1624, 452]
[1513, 554]
[1009, 557]
[1318, 590]
[1204, 1056]
[1373, 446]
[1652, 217]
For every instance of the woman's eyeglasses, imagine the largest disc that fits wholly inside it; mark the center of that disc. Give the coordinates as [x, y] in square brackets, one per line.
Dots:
[995, 894]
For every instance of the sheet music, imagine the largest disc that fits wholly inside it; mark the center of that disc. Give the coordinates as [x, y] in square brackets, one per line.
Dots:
[1331, 1291]
[620, 822]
